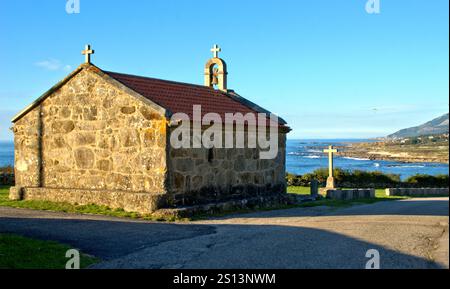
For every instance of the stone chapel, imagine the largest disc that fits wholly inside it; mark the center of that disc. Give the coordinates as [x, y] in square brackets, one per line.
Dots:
[101, 137]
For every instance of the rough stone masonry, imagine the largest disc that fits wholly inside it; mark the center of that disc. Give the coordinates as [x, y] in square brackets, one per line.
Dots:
[101, 138]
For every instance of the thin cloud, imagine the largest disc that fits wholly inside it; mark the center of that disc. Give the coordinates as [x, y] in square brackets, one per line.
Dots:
[53, 65]
[50, 64]
[67, 68]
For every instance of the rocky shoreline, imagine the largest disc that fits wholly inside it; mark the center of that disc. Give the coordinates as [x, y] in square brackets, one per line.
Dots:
[388, 151]
[404, 159]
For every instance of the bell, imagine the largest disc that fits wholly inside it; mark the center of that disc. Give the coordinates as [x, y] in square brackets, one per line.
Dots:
[215, 80]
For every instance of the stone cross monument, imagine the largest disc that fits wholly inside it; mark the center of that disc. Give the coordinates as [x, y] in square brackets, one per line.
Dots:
[330, 180]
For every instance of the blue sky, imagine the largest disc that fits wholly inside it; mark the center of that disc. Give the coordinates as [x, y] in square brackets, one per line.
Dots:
[328, 67]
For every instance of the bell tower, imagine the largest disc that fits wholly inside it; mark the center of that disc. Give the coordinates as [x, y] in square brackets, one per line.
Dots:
[216, 71]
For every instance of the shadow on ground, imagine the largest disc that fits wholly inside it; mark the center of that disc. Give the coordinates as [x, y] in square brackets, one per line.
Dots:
[104, 239]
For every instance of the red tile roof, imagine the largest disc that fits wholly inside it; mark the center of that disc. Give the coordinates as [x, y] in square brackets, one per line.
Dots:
[181, 97]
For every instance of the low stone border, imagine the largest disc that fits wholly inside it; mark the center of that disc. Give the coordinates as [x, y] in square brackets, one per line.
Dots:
[231, 205]
[417, 191]
[337, 194]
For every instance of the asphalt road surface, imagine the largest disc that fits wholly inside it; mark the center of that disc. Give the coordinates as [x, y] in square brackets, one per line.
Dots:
[407, 234]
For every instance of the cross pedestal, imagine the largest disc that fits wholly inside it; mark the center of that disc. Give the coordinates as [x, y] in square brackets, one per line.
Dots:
[330, 183]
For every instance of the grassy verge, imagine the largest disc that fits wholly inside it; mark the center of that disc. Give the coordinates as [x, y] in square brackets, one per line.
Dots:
[80, 209]
[18, 252]
[299, 190]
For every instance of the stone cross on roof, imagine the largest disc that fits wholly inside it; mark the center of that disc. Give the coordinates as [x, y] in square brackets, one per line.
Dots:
[215, 50]
[87, 53]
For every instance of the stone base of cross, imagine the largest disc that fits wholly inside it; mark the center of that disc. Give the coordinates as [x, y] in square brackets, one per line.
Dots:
[330, 183]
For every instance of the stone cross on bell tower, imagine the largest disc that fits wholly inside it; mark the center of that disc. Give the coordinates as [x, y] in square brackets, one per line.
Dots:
[215, 50]
[216, 71]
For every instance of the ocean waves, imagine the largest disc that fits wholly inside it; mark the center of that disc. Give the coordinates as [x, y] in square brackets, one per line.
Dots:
[356, 159]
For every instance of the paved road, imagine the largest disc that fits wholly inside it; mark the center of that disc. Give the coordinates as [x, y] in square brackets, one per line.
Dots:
[408, 234]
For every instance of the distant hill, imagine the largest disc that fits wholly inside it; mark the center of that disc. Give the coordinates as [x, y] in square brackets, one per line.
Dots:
[436, 126]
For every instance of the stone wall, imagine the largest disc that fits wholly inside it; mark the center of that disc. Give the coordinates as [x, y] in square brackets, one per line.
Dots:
[352, 194]
[201, 175]
[417, 192]
[27, 150]
[91, 135]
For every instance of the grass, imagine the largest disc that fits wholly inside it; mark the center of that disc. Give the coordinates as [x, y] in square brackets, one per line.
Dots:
[80, 209]
[299, 190]
[18, 252]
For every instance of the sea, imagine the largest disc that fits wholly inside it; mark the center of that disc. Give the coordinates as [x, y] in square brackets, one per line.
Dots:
[305, 156]
[6, 153]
